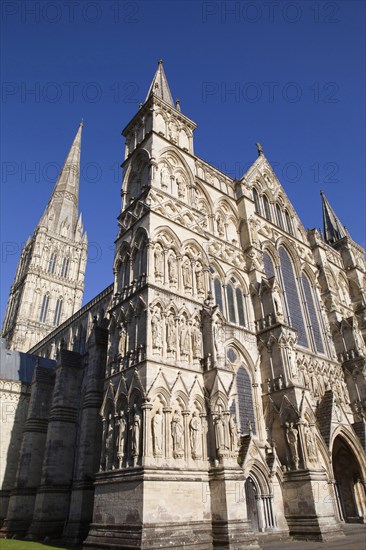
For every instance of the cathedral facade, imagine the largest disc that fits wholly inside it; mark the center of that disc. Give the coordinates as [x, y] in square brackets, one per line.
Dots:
[217, 388]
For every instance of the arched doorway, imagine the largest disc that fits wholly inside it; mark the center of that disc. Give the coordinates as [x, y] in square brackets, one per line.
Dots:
[350, 487]
[251, 493]
[259, 505]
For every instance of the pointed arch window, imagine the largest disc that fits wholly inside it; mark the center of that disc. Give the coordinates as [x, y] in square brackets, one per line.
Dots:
[44, 308]
[288, 223]
[267, 209]
[245, 401]
[235, 302]
[65, 267]
[268, 265]
[257, 205]
[279, 216]
[52, 262]
[217, 287]
[58, 312]
[312, 314]
[293, 304]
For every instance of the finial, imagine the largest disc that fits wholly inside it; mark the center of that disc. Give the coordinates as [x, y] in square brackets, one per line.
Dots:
[160, 62]
[321, 192]
[260, 149]
[177, 104]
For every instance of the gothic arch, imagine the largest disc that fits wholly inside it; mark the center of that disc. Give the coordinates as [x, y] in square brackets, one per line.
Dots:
[285, 243]
[179, 159]
[196, 251]
[353, 443]
[349, 471]
[166, 237]
[161, 394]
[268, 246]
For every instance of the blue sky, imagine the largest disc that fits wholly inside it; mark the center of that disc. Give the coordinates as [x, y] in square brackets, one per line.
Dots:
[290, 75]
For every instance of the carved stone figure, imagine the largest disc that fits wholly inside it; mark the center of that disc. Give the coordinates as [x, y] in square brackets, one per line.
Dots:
[292, 436]
[219, 336]
[187, 274]
[122, 340]
[109, 446]
[185, 347]
[156, 330]
[164, 177]
[220, 226]
[220, 434]
[135, 429]
[182, 188]
[196, 341]
[200, 279]
[121, 437]
[194, 434]
[159, 262]
[172, 269]
[177, 435]
[233, 431]
[310, 443]
[157, 432]
[171, 338]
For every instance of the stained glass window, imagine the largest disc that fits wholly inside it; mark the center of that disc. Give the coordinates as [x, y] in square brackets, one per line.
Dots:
[312, 314]
[295, 314]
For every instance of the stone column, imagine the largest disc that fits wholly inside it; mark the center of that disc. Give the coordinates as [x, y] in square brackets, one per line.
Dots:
[52, 501]
[146, 428]
[166, 427]
[22, 499]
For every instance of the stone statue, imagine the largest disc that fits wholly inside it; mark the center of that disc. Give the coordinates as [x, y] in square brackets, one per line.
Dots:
[220, 433]
[177, 435]
[157, 432]
[164, 178]
[122, 340]
[200, 283]
[196, 341]
[194, 434]
[172, 269]
[181, 185]
[121, 437]
[233, 431]
[135, 429]
[218, 333]
[109, 447]
[156, 330]
[159, 262]
[292, 436]
[187, 274]
[220, 226]
[310, 443]
[185, 347]
[171, 338]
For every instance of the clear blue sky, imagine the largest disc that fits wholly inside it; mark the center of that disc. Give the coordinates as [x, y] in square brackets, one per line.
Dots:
[288, 74]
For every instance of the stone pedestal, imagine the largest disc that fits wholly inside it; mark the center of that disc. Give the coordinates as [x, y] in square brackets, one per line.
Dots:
[309, 503]
[230, 526]
[150, 508]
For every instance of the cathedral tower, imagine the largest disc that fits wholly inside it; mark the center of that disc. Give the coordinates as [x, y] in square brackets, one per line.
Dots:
[49, 281]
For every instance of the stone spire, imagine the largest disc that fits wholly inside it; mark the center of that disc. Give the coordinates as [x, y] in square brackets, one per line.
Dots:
[49, 282]
[62, 208]
[160, 87]
[333, 229]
